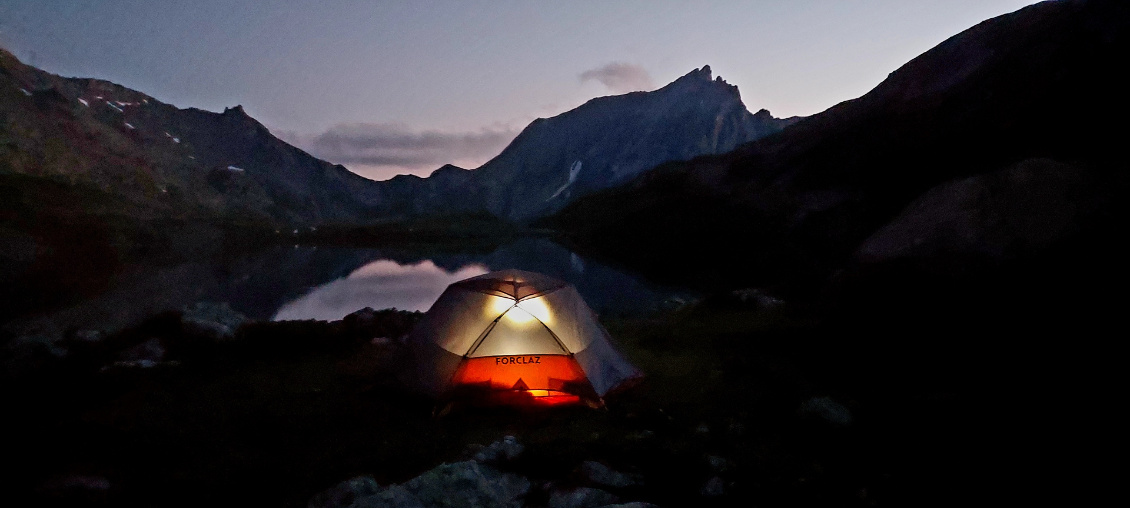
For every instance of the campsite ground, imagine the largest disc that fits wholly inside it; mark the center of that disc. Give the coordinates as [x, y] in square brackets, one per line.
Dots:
[745, 399]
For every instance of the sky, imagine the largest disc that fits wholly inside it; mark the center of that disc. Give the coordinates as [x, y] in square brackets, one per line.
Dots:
[392, 87]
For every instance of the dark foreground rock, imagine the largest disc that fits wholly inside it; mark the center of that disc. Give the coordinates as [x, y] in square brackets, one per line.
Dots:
[466, 483]
[214, 320]
[602, 475]
[827, 410]
[504, 450]
[346, 492]
[491, 478]
[581, 497]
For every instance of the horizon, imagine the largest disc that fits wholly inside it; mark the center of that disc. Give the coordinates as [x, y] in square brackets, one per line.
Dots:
[342, 71]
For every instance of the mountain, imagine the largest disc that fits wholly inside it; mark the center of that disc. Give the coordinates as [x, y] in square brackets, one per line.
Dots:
[166, 160]
[158, 160]
[959, 228]
[610, 140]
[1040, 85]
[602, 143]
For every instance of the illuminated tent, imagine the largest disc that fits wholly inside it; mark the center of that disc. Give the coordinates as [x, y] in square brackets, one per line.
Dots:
[516, 337]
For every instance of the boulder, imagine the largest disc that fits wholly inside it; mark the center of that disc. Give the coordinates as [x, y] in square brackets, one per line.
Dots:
[76, 490]
[757, 298]
[33, 351]
[601, 475]
[151, 350]
[86, 336]
[827, 410]
[395, 496]
[466, 483]
[215, 321]
[345, 493]
[714, 487]
[717, 464]
[642, 435]
[582, 497]
[503, 450]
[144, 355]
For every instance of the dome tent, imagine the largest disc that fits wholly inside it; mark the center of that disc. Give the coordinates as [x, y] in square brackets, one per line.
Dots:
[515, 337]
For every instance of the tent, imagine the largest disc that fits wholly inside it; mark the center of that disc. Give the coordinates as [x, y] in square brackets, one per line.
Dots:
[516, 337]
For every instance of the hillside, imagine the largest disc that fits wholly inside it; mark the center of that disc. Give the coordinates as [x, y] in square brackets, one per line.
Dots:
[168, 161]
[956, 229]
[610, 140]
[1039, 84]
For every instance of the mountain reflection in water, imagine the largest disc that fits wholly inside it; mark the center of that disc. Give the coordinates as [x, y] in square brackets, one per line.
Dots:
[327, 283]
[409, 283]
[381, 284]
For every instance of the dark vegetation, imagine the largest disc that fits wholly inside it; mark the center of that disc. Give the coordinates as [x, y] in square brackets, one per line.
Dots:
[735, 389]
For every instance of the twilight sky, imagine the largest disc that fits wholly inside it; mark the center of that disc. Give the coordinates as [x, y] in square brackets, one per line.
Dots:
[406, 86]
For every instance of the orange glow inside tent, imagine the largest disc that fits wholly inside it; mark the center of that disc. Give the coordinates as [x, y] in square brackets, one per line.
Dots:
[535, 397]
[540, 375]
[540, 379]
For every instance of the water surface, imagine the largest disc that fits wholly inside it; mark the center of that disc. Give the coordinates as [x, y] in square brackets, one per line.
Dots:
[408, 283]
[327, 283]
[380, 284]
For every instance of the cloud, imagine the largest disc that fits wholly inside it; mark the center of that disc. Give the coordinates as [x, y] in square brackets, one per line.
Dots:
[382, 150]
[620, 77]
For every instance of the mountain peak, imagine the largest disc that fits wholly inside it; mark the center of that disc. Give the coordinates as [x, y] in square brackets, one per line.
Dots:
[701, 77]
[593, 147]
[449, 168]
[236, 115]
[703, 74]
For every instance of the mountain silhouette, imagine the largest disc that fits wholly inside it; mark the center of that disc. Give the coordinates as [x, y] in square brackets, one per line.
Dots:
[157, 160]
[1040, 84]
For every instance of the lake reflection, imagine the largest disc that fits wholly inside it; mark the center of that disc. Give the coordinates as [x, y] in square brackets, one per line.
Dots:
[328, 283]
[381, 284]
[390, 279]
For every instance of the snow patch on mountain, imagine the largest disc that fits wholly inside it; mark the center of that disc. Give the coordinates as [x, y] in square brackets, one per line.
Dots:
[574, 170]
